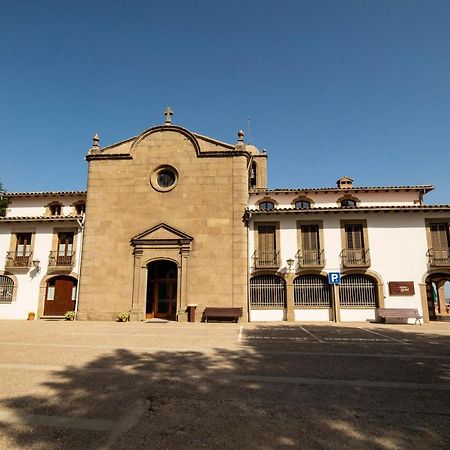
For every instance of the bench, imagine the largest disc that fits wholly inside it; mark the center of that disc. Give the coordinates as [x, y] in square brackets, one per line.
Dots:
[399, 313]
[222, 313]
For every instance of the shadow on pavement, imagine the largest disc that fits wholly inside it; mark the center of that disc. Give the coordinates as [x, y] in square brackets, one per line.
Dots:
[233, 398]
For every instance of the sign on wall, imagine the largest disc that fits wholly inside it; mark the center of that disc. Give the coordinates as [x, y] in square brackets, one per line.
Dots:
[334, 277]
[401, 287]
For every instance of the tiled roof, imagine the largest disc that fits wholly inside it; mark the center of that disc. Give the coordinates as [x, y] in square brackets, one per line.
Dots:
[43, 193]
[351, 209]
[40, 218]
[421, 187]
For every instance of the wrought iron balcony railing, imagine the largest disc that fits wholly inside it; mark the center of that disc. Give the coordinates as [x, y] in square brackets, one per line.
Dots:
[439, 258]
[56, 260]
[16, 260]
[310, 258]
[266, 259]
[355, 258]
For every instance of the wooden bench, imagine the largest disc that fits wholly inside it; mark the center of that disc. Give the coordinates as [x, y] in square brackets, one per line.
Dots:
[222, 313]
[399, 313]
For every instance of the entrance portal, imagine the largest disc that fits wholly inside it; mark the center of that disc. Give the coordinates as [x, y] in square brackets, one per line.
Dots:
[161, 290]
[60, 296]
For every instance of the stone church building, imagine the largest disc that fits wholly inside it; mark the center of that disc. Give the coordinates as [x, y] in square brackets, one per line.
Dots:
[164, 225]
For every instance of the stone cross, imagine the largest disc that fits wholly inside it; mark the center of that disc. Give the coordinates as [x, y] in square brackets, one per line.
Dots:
[168, 113]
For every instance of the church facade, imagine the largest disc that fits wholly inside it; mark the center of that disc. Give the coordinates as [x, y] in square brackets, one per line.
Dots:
[173, 221]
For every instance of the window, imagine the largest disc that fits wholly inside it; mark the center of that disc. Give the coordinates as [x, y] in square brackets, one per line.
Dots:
[266, 205]
[348, 202]
[6, 289]
[80, 208]
[164, 178]
[302, 204]
[310, 254]
[440, 243]
[55, 209]
[65, 244]
[23, 245]
[312, 291]
[267, 291]
[355, 252]
[267, 255]
[253, 175]
[358, 291]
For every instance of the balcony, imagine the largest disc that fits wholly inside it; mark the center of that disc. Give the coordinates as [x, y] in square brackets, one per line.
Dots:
[439, 258]
[266, 259]
[355, 258]
[61, 262]
[310, 259]
[18, 261]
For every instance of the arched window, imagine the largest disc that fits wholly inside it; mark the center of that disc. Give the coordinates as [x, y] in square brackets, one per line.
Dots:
[302, 204]
[80, 208]
[348, 202]
[54, 209]
[267, 291]
[312, 291]
[6, 289]
[266, 205]
[358, 290]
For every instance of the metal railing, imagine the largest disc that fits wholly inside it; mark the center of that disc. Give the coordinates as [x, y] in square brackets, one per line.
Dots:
[312, 291]
[14, 260]
[269, 259]
[358, 291]
[439, 258]
[267, 291]
[310, 258]
[6, 289]
[355, 258]
[57, 260]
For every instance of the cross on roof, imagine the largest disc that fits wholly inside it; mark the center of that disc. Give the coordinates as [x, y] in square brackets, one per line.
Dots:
[168, 113]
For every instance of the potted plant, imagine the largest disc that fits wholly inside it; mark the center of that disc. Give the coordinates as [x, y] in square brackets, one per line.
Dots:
[123, 317]
[70, 315]
[31, 315]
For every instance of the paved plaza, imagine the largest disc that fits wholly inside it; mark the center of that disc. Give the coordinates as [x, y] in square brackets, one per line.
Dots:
[106, 385]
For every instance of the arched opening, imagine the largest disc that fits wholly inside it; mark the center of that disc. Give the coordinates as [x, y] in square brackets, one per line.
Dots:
[438, 295]
[358, 291]
[6, 289]
[267, 291]
[162, 277]
[60, 295]
[312, 291]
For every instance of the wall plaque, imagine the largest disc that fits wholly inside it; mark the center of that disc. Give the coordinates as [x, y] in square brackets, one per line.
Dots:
[401, 287]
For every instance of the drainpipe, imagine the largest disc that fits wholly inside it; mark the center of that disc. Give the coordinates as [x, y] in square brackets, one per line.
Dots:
[80, 246]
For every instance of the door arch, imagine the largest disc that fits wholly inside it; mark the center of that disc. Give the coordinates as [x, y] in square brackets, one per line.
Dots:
[60, 295]
[435, 284]
[162, 284]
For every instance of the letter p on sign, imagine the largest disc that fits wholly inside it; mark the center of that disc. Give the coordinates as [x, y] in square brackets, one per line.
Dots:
[334, 278]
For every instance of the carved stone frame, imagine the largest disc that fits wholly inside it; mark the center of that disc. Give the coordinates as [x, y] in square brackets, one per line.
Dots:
[161, 242]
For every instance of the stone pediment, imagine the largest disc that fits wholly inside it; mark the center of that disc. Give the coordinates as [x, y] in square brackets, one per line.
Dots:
[161, 234]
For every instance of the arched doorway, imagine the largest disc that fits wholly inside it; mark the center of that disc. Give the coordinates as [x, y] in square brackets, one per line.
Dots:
[60, 295]
[438, 295]
[162, 278]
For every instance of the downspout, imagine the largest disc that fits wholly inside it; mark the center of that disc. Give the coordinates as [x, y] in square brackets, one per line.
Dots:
[80, 246]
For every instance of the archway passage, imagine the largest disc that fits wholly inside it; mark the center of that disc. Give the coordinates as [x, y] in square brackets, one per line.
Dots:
[161, 290]
[60, 295]
[438, 296]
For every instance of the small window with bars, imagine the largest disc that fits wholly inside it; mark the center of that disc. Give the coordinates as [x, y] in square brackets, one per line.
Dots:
[358, 291]
[6, 289]
[267, 291]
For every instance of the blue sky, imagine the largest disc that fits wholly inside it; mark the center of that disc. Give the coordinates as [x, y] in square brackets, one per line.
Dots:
[332, 88]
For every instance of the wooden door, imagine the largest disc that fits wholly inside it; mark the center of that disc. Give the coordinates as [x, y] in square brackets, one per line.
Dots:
[60, 296]
[162, 290]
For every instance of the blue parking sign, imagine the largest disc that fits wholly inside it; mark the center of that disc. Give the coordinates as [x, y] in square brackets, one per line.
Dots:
[334, 277]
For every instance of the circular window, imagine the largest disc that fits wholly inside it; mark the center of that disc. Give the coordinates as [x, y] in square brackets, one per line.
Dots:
[164, 178]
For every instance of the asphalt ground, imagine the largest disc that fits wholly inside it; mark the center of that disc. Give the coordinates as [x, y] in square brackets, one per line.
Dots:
[102, 385]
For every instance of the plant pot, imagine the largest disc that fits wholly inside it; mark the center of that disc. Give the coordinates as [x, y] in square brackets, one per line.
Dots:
[31, 316]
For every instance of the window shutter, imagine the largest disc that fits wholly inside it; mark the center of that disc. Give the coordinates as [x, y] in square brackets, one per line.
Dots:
[440, 239]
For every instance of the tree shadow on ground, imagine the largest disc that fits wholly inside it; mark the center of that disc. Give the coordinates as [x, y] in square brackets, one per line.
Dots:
[268, 393]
